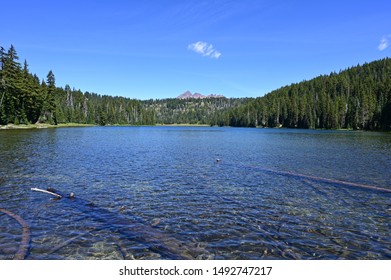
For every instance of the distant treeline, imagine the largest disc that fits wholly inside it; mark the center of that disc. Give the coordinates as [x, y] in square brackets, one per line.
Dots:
[24, 99]
[357, 98]
[192, 111]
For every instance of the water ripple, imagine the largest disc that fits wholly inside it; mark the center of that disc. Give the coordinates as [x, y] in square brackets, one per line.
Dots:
[159, 193]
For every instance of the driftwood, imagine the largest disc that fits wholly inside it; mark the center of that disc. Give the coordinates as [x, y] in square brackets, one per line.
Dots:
[46, 191]
[24, 243]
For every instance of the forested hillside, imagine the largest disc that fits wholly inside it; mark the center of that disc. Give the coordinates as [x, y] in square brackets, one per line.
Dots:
[356, 98]
[24, 99]
[192, 111]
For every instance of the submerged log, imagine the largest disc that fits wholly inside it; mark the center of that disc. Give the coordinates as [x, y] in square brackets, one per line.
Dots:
[24, 243]
[131, 228]
[334, 182]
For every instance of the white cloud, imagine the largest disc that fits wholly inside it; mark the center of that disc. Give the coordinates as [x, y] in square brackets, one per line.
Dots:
[205, 49]
[384, 42]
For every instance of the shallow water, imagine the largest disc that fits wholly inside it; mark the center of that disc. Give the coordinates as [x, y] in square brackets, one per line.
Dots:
[158, 193]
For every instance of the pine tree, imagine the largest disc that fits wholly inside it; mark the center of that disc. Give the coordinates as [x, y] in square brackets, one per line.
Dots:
[50, 102]
[2, 83]
[12, 82]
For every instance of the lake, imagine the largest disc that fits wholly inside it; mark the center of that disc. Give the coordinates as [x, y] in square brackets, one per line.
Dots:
[197, 193]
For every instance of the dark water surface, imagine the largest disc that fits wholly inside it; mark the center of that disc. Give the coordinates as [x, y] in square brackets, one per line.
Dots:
[158, 193]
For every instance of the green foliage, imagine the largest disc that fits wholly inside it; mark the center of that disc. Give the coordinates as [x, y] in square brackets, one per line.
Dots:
[357, 98]
[208, 111]
[49, 105]
[23, 100]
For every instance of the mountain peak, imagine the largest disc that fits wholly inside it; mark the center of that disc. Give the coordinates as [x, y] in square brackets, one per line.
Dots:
[187, 94]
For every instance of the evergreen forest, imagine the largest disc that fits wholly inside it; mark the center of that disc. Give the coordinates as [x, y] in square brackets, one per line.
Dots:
[356, 98]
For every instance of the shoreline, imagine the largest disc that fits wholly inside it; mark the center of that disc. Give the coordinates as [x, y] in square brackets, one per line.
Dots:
[62, 125]
[182, 124]
[40, 126]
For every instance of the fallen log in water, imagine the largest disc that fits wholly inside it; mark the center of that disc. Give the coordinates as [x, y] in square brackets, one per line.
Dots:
[130, 227]
[47, 191]
[24, 243]
[69, 241]
[319, 179]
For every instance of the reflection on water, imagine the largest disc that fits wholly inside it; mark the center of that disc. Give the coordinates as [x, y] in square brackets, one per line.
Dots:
[158, 193]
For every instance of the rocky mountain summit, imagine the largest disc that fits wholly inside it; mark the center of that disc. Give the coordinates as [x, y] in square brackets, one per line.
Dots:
[196, 95]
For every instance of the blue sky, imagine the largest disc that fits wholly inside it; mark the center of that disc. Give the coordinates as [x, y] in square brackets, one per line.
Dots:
[159, 49]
